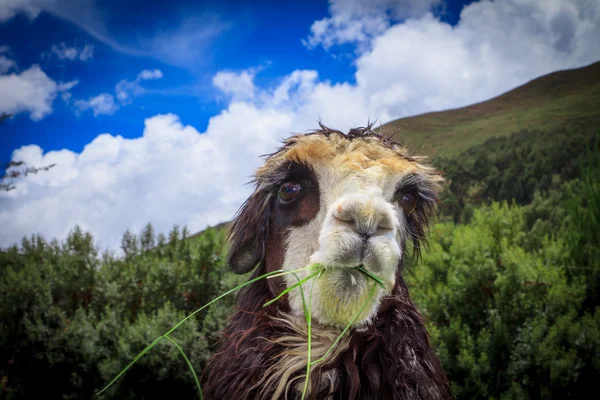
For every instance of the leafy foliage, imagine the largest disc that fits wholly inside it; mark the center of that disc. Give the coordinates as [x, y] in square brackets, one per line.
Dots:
[513, 308]
[514, 168]
[72, 318]
[510, 286]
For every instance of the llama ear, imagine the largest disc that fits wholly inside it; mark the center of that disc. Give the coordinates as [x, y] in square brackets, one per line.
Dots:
[248, 234]
[427, 187]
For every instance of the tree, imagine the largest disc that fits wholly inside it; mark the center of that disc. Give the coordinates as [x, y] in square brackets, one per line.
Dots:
[509, 323]
[17, 169]
[4, 116]
[71, 320]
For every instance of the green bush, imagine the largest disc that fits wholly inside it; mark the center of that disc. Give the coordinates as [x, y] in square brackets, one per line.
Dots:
[507, 317]
[71, 319]
[515, 167]
[511, 294]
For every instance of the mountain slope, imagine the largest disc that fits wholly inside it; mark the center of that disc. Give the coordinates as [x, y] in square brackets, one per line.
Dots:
[562, 98]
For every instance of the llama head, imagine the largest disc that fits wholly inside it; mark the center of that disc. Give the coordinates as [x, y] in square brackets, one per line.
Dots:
[340, 201]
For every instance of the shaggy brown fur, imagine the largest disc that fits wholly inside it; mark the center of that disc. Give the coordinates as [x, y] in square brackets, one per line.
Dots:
[388, 359]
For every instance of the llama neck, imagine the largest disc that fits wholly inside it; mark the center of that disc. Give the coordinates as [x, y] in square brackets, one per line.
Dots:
[264, 355]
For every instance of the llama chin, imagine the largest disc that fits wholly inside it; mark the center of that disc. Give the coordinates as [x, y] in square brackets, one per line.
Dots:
[339, 201]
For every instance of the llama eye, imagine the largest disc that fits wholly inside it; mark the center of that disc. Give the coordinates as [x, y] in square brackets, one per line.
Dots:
[288, 191]
[408, 202]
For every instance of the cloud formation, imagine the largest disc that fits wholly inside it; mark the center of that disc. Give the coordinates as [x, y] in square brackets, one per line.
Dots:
[359, 21]
[10, 8]
[6, 64]
[184, 44]
[64, 52]
[172, 174]
[235, 85]
[176, 174]
[102, 104]
[30, 91]
[125, 91]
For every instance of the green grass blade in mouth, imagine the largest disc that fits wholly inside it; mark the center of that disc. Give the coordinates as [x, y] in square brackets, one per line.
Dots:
[372, 276]
[300, 282]
[292, 271]
[308, 318]
[136, 358]
[187, 360]
[307, 312]
[346, 328]
[151, 345]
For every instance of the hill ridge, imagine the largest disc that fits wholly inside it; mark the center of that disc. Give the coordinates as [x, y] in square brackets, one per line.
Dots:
[556, 99]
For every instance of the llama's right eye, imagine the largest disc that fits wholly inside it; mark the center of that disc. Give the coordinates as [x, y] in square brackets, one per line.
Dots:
[289, 191]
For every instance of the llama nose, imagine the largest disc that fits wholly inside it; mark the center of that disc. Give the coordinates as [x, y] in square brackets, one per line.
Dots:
[367, 216]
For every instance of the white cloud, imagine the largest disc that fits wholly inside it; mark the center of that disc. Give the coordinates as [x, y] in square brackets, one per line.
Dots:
[125, 89]
[86, 53]
[148, 74]
[175, 174]
[64, 52]
[183, 45]
[30, 91]
[6, 64]
[237, 86]
[187, 44]
[359, 21]
[102, 104]
[10, 8]
[105, 104]
[64, 88]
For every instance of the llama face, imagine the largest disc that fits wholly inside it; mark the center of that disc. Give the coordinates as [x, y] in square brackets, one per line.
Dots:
[340, 202]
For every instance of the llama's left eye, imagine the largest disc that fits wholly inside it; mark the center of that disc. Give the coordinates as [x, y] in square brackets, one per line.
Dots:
[289, 191]
[408, 202]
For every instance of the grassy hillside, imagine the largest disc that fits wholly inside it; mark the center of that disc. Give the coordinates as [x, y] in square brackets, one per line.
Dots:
[547, 112]
[511, 293]
[563, 98]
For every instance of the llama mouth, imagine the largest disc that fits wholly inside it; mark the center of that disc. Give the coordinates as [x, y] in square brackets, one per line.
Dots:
[352, 273]
[343, 295]
[355, 273]
[371, 275]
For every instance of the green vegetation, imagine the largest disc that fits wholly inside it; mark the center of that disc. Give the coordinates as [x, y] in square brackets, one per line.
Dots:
[72, 319]
[560, 99]
[511, 295]
[510, 284]
[511, 319]
[514, 167]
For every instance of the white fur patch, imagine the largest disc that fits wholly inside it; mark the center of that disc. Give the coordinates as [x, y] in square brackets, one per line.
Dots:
[355, 204]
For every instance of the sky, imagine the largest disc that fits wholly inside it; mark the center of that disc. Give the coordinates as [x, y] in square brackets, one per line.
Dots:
[159, 112]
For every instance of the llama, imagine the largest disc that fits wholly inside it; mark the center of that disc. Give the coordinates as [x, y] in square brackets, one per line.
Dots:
[340, 201]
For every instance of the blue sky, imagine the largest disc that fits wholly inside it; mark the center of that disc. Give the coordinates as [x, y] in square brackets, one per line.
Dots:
[240, 34]
[218, 83]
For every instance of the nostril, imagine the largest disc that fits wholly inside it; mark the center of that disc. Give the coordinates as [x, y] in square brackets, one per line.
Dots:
[364, 236]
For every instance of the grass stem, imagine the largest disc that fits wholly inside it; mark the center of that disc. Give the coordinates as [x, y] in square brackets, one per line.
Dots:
[187, 360]
[151, 345]
[346, 328]
[300, 282]
[307, 315]
[308, 318]
[372, 276]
